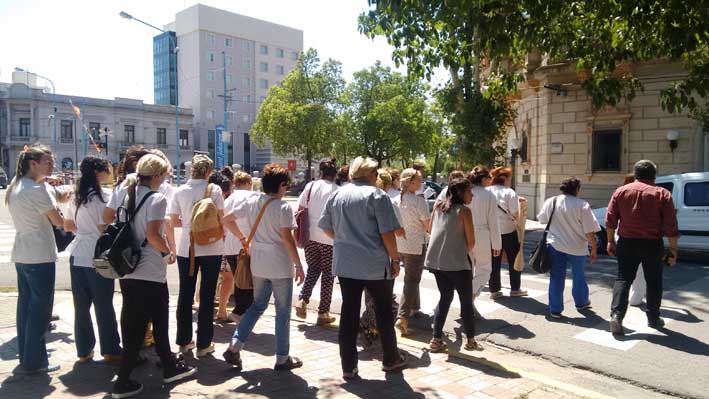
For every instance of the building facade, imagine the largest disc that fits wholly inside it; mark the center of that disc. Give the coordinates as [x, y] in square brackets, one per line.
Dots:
[556, 133]
[26, 118]
[226, 64]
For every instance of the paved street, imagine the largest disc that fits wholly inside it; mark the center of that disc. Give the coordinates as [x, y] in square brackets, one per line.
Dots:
[671, 361]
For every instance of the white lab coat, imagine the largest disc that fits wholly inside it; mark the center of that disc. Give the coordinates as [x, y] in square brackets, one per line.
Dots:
[487, 236]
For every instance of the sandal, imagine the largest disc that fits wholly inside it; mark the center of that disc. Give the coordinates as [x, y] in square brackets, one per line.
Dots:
[437, 345]
[471, 345]
[290, 364]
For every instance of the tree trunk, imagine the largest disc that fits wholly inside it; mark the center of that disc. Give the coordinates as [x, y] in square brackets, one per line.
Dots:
[310, 163]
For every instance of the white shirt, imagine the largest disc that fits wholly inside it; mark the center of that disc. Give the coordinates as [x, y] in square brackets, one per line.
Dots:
[183, 201]
[152, 265]
[119, 193]
[571, 222]
[269, 258]
[34, 240]
[412, 210]
[319, 191]
[392, 193]
[484, 210]
[232, 245]
[508, 200]
[87, 220]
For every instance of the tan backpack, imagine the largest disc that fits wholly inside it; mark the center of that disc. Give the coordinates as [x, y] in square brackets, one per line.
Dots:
[206, 226]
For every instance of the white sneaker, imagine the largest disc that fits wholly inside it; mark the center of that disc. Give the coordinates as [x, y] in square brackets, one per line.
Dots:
[186, 348]
[205, 351]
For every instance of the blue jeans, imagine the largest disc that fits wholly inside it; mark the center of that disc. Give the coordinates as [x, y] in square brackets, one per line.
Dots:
[282, 289]
[35, 285]
[89, 288]
[557, 278]
[209, 267]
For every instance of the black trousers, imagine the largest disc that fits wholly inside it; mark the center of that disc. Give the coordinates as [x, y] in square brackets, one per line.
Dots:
[631, 252]
[381, 291]
[143, 301]
[242, 298]
[510, 245]
[448, 282]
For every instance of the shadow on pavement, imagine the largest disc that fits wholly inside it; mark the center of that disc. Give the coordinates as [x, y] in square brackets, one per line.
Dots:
[394, 384]
[35, 386]
[273, 384]
[672, 340]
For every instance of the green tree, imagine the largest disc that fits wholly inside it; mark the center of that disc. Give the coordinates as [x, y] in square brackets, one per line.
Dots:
[391, 120]
[299, 116]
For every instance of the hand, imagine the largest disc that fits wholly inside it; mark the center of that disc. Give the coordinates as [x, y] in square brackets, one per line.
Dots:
[400, 233]
[395, 268]
[299, 275]
[53, 180]
[522, 199]
[171, 258]
[672, 260]
[594, 255]
[496, 252]
[610, 248]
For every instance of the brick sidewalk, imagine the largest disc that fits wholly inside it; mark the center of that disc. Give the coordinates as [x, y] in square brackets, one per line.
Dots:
[428, 376]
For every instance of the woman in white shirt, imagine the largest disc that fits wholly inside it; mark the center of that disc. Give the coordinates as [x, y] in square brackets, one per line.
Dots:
[573, 228]
[145, 292]
[274, 265]
[395, 189]
[416, 221]
[318, 251]
[507, 211]
[207, 259]
[34, 252]
[85, 218]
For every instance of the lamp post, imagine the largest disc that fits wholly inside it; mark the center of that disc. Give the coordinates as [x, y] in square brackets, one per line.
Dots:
[54, 106]
[125, 15]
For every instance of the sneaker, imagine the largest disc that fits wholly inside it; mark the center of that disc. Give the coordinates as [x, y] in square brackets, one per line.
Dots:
[181, 370]
[126, 389]
[324, 319]
[584, 307]
[301, 309]
[519, 293]
[290, 364]
[87, 358]
[205, 351]
[555, 315]
[351, 375]
[52, 327]
[396, 366]
[234, 318]
[233, 358]
[186, 348]
[616, 325]
[403, 326]
[496, 295]
[656, 323]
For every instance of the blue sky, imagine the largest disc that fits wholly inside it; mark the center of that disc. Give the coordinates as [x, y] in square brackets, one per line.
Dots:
[88, 50]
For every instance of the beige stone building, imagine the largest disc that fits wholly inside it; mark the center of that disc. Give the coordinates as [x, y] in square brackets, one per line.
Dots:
[557, 134]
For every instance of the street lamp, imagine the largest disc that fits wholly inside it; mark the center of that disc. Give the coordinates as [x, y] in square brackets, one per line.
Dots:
[54, 106]
[125, 15]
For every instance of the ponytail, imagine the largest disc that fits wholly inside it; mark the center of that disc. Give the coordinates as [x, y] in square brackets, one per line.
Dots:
[88, 186]
[34, 153]
[454, 195]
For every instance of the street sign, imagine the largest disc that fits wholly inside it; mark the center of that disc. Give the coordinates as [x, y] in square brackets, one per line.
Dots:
[292, 165]
[219, 147]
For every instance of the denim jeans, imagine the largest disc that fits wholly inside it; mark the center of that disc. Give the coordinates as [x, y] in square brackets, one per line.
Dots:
[209, 267]
[282, 289]
[89, 288]
[35, 285]
[557, 278]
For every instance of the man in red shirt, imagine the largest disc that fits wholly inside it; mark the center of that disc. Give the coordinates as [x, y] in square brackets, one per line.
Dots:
[646, 213]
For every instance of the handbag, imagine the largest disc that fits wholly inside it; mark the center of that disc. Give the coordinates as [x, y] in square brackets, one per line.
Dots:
[539, 261]
[243, 278]
[302, 231]
[62, 237]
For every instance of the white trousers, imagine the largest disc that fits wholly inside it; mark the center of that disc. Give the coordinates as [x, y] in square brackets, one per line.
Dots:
[481, 256]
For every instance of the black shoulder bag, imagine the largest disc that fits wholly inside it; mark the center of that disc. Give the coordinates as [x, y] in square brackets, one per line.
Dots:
[539, 261]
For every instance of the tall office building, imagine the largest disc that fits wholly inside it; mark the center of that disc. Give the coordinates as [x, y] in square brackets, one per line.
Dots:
[257, 55]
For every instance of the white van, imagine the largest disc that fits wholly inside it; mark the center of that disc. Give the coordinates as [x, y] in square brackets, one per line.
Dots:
[690, 192]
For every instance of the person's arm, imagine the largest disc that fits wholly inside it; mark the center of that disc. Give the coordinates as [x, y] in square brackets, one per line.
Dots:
[494, 227]
[329, 233]
[56, 218]
[389, 240]
[467, 218]
[231, 225]
[591, 237]
[69, 224]
[109, 215]
[170, 235]
[154, 237]
[669, 226]
[612, 216]
[289, 243]
[325, 221]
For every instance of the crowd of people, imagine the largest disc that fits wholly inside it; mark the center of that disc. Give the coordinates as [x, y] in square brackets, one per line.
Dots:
[363, 225]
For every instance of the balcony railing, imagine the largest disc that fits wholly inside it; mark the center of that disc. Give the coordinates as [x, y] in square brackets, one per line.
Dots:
[67, 140]
[20, 139]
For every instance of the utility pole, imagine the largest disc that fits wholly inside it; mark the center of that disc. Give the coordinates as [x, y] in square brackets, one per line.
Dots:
[227, 98]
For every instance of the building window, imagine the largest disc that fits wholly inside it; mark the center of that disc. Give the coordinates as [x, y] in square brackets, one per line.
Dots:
[24, 127]
[280, 53]
[161, 136]
[129, 134]
[210, 93]
[228, 79]
[184, 138]
[263, 67]
[210, 114]
[606, 150]
[67, 132]
[210, 75]
[669, 186]
[210, 57]
[247, 99]
[247, 64]
[246, 83]
[210, 38]
[95, 130]
[294, 55]
[263, 49]
[263, 83]
[246, 46]
[696, 194]
[280, 70]
[245, 118]
[228, 59]
[210, 142]
[229, 42]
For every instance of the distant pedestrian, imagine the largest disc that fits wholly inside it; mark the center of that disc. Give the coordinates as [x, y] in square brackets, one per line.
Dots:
[395, 188]
[360, 219]
[455, 174]
[34, 252]
[275, 264]
[85, 218]
[452, 238]
[573, 228]
[644, 212]
[318, 251]
[225, 182]
[507, 218]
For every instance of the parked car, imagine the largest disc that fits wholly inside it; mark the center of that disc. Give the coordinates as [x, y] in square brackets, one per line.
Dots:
[296, 188]
[3, 179]
[690, 193]
[437, 187]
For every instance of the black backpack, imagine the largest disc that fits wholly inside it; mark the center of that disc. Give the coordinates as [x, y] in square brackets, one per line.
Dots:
[116, 253]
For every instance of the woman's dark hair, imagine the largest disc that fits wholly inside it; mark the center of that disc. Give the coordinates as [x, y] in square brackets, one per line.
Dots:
[129, 161]
[570, 186]
[226, 171]
[454, 194]
[645, 170]
[273, 176]
[328, 169]
[220, 179]
[343, 175]
[88, 186]
[478, 174]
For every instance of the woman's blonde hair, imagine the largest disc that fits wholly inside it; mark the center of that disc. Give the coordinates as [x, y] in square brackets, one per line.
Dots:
[361, 167]
[406, 177]
[201, 166]
[164, 158]
[384, 180]
[149, 166]
[34, 153]
[242, 178]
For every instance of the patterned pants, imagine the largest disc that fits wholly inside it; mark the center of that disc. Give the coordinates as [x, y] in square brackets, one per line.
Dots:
[319, 259]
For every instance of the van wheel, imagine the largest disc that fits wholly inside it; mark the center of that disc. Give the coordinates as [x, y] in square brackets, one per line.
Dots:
[602, 241]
